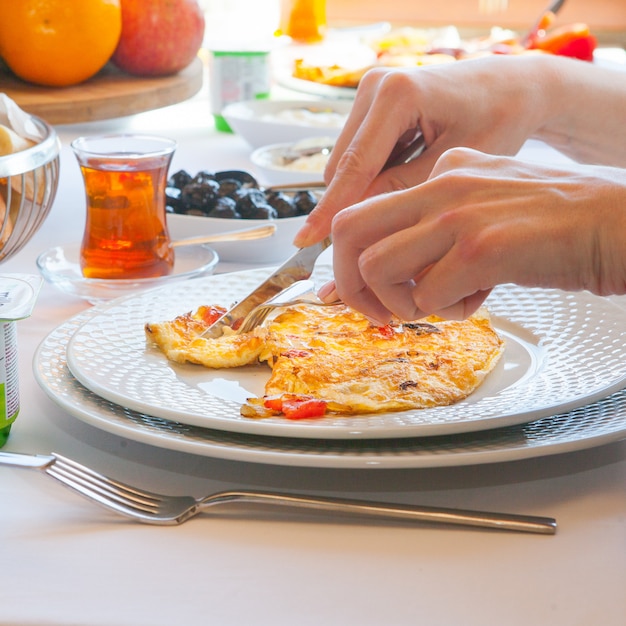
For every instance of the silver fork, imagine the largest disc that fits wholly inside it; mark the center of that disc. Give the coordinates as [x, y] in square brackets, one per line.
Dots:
[159, 509]
[300, 292]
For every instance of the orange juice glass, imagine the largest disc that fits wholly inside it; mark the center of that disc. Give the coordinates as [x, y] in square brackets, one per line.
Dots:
[303, 20]
[126, 233]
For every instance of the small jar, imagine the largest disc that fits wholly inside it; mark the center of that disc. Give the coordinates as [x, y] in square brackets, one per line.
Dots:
[237, 73]
[18, 293]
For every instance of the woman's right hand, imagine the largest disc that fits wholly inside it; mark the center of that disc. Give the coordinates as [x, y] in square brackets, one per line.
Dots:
[491, 104]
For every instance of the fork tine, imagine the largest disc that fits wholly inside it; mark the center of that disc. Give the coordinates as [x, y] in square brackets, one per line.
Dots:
[104, 490]
[254, 319]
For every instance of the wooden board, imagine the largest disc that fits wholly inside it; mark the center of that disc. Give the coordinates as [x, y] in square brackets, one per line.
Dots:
[111, 93]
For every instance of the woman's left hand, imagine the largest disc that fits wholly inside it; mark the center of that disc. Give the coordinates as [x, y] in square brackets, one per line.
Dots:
[479, 221]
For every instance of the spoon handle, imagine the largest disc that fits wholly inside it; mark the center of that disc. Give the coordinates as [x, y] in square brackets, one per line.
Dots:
[245, 234]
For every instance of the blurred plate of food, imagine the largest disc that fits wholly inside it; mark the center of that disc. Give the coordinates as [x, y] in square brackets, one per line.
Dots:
[333, 69]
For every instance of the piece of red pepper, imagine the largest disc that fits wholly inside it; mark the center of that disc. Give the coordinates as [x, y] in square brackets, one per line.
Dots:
[295, 407]
[300, 409]
[572, 40]
[582, 48]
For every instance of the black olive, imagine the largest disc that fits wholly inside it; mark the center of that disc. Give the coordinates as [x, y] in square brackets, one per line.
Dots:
[305, 202]
[284, 205]
[203, 176]
[244, 178]
[199, 196]
[262, 212]
[172, 199]
[224, 207]
[249, 201]
[179, 179]
[229, 187]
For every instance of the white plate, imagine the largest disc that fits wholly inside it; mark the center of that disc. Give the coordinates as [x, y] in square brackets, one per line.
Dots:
[562, 351]
[60, 266]
[585, 427]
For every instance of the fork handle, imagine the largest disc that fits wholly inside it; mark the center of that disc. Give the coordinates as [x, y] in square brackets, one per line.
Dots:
[501, 521]
[18, 459]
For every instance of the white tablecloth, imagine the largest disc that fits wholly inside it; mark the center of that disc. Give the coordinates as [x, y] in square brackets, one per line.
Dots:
[65, 561]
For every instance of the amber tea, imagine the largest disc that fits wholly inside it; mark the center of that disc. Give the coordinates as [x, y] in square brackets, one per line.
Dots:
[126, 233]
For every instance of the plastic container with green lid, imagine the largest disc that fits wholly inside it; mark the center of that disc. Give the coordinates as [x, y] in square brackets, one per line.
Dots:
[237, 73]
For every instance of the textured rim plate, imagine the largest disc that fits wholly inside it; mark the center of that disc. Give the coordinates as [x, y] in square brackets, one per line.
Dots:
[562, 351]
[584, 427]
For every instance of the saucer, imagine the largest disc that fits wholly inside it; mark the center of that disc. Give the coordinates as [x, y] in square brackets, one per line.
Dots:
[60, 266]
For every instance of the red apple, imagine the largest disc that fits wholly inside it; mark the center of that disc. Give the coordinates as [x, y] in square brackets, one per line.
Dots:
[159, 37]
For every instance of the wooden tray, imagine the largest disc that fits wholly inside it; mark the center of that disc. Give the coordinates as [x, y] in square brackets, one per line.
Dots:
[111, 93]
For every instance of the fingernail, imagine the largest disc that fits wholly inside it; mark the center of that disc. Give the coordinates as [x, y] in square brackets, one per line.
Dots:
[327, 293]
[375, 322]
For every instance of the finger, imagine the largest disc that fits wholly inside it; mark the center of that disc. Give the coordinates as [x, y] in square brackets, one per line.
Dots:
[463, 308]
[365, 94]
[359, 155]
[360, 234]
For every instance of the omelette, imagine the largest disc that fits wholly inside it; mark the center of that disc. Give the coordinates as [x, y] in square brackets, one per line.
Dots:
[334, 361]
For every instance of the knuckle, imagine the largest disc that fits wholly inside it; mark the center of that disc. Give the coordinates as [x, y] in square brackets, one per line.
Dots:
[396, 81]
[455, 157]
[480, 247]
[351, 164]
[343, 224]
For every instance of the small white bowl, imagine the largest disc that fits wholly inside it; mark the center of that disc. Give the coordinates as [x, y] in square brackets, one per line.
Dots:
[271, 250]
[263, 122]
[60, 266]
[272, 169]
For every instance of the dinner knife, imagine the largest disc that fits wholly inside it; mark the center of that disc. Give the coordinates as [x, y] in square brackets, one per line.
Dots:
[297, 267]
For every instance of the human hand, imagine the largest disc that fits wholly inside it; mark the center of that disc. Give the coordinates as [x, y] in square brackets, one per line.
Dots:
[479, 221]
[465, 103]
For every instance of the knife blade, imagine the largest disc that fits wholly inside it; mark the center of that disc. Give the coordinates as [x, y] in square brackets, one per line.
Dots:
[297, 267]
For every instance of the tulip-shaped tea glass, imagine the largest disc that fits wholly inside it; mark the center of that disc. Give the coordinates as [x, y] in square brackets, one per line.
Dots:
[126, 232]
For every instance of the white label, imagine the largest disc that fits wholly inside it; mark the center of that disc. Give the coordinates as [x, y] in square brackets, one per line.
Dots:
[238, 76]
[9, 384]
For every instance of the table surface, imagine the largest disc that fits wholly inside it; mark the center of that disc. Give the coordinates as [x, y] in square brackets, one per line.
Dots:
[66, 561]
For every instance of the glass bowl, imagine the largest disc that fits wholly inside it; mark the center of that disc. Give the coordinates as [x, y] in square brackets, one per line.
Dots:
[60, 266]
[28, 184]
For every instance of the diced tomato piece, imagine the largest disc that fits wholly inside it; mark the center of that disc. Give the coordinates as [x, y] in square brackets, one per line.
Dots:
[386, 331]
[303, 408]
[274, 403]
[211, 314]
[237, 323]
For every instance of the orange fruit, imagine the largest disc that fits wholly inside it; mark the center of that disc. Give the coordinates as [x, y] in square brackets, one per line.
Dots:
[58, 42]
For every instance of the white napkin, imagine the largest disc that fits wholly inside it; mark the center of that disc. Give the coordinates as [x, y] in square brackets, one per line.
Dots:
[18, 120]
[17, 129]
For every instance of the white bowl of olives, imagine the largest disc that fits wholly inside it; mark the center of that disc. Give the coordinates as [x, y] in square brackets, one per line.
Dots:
[210, 203]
